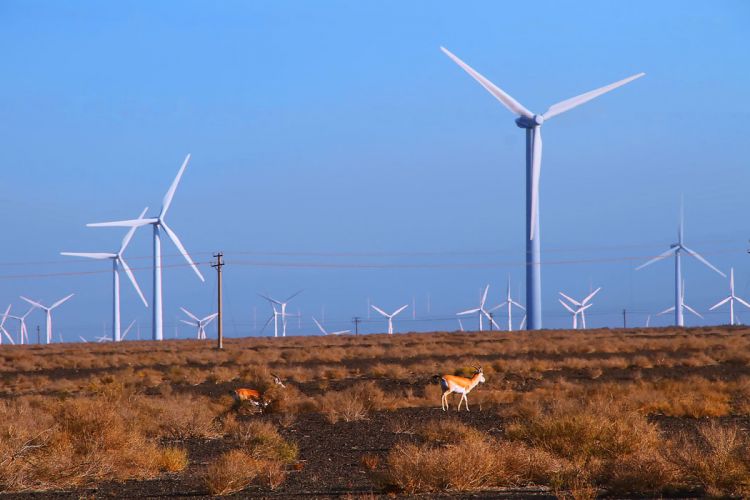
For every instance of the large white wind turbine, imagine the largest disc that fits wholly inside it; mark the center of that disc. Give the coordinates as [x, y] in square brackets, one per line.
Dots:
[117, 262]
[677, 249]
[732, 297]
[201, 324]
[23, 334]
[390, 316]
[509, 303]
[480, 311]
[575, 312]
[533, 123]
[326, 332]
[280, 314]
[48, 310]
[581, 306]
[158, 223]
[684, 305]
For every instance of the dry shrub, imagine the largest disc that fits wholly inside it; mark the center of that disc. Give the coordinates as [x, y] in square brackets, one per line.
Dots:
[234, 471]
[353, 404]
[262, 440]
[369, 461]
[182, 417]
[692, 397]
[717, 459]
[473, 463]
[288, 400]
[449, 431]
[173, 459]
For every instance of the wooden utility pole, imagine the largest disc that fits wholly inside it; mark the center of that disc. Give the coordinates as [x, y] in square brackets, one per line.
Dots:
[624, 318]
[356, 320]
[218, 265]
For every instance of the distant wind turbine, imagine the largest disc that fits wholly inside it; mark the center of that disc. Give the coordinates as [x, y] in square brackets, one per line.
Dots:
[480, 311]
[732, 297]
[48, 311]
[389, 316]
[117, 262]
[580, 306]
[533, 123]
[2, 326]
[509, 303]
[326, 332]
[279, 314]
[201, 324]
[159, 223]
[677, 249]
[23, 334]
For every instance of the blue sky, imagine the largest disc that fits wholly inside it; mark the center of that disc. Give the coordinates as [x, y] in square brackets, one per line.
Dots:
[329, 128]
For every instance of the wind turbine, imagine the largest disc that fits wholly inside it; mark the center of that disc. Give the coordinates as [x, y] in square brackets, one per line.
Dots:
[575, 312]
[200, 323]
[732, 297]
[480, 310]
[581, 306]
[325, 332]
[125, 333]
[390, 316]
[117, 262]
[23, 334]
[283, 314]
[2, 326]
[48, 310]
[159, 223]
[533, 123]
[684, 305]
[677, 249]
[509, 302]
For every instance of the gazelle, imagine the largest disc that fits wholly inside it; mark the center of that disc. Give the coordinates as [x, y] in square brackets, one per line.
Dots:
[461, 385]
[253, 396]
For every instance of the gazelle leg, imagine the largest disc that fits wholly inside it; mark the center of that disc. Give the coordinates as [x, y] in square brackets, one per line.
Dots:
[466, 402]
[445, 399]
[460, 400]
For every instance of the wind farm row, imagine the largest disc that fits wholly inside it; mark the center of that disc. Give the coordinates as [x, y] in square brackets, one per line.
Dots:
[530, 309]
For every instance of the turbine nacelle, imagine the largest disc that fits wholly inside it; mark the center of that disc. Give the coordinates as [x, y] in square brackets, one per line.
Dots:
[526, 122]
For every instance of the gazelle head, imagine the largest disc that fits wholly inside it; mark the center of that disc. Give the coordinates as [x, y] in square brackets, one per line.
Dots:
[277, 380]
[480, 373]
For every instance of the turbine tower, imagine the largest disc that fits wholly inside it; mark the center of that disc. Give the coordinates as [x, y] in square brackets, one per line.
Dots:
[390, 316]
[732, 297]
[509, 302]
[158, 223]
[532, 123]
[684, 305]
[201, 324]
[580, 306]
[48, 310]
[326, 332]
[677, 249]
[117, 262]
[283, 314]
[481, 311]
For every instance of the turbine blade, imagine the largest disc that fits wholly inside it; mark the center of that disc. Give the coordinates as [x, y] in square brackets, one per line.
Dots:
[170, 192]
[742, 301]
[320, 327]
[566, 306]
[591, 295]
[470, 311]
[665, 311]
[181, 249]
[484, 296]
[132, 323]
[568, 104]
[189, 314]
[90, 255]
[33, 303]
[208, 319]
[130, 233]
[189, 322]
[124, 223]
[59, 302]
[517, 304]
[719, 304]
[536, 171]
[380, 310]
[293, 295]
[510, 103]
[572, 301]
[131, 277]
[399, 310]
[691, 310]
[499, 306]
[274, 301]
[657, 258]
[704, 261]
[489, 317]
[340, 332]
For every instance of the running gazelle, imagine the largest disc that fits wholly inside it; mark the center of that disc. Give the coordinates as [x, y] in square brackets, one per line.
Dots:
[461, 385]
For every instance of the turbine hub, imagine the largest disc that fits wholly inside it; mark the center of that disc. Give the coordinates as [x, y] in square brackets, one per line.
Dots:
[524, 122]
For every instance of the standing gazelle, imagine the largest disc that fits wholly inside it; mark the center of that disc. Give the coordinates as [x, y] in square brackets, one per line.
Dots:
[461, 385]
